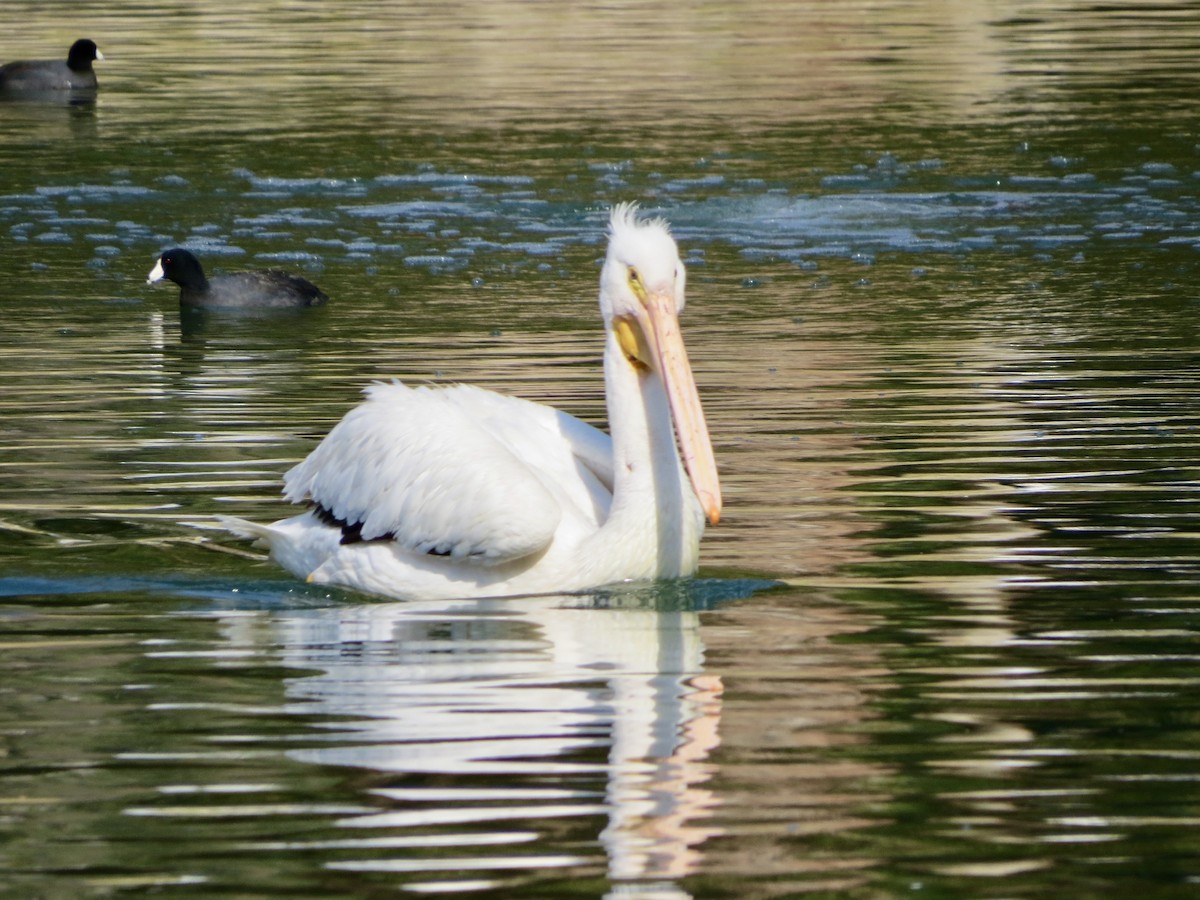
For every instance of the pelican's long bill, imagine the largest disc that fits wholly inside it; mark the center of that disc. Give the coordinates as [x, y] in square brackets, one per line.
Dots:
[661, 329]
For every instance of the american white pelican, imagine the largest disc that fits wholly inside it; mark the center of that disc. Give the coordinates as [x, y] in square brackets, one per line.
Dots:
[438, 493]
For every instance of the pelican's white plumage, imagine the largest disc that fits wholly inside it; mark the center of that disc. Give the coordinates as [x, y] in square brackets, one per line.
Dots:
[433, 493]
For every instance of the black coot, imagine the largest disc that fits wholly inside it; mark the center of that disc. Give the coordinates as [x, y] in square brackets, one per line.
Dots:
[38, 75]
[266, 289]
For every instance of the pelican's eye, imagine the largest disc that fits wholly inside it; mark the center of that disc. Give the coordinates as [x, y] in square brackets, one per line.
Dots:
[635, 284]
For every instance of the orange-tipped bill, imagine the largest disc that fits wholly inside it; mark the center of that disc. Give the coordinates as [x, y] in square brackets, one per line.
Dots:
[672, 363]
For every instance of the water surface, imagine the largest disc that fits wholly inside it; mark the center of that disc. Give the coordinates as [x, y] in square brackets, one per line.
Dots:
[942, 311]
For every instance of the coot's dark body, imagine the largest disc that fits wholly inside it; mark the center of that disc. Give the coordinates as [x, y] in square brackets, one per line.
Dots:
[34, 76]
[266, 289]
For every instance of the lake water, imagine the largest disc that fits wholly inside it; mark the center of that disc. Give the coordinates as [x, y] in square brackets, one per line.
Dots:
[943, 283]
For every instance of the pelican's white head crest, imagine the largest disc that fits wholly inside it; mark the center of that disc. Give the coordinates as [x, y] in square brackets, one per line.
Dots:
[642, 257]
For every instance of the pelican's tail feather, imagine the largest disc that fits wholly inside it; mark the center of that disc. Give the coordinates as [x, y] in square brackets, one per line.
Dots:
[244, 528]
[299, 544]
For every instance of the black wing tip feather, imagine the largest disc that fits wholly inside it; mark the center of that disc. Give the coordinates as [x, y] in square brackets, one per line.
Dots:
[352, 531]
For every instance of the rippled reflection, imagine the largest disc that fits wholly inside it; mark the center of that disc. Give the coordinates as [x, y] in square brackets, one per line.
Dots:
[544, 708]
[942, 311]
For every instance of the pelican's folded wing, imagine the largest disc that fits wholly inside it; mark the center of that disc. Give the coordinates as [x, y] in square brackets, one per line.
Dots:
[555, 444]
[415, 466]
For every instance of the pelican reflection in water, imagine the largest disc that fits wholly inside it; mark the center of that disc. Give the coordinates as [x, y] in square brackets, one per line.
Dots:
[488, 714]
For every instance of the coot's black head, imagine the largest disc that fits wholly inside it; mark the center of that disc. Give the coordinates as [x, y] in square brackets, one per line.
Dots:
[81, 54]
[181, 267]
